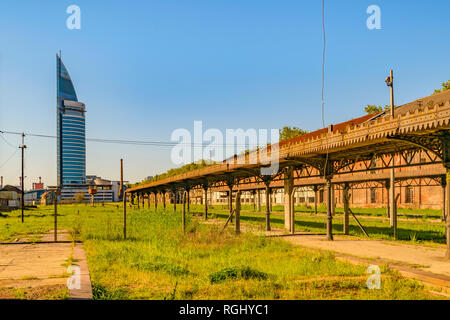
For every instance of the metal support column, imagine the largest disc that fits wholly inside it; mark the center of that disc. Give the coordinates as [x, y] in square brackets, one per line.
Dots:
[346, 228]
[267, 207]
[329, 203]
[237, 212]
[205, 188]
[315, 199]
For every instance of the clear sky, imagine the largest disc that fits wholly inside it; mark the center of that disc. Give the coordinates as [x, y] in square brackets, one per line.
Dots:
[146, 68]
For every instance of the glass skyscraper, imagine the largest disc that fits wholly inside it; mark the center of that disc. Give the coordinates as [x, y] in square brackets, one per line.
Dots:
[71, 131]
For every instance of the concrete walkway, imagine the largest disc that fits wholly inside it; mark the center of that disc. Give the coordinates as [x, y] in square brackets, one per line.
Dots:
[426, 264]
[430, 259]
[24, 265]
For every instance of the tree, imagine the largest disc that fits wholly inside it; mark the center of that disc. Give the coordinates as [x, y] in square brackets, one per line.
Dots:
[445, 87]
[370, 109]
[290, 132]
[79, 197]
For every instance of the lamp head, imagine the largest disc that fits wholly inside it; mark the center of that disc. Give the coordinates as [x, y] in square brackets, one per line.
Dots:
[388, 81]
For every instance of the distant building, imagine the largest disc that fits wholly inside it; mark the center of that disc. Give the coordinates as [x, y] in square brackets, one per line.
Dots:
[33, 197]
[107, 190]
[10, 198]
[38, 185]
[71, 132]
[47, 198]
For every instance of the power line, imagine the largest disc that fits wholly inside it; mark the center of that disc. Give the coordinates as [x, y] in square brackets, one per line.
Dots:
[323, 63]
[130, 142]
[8, 143]
[323, 80]
[12, 155]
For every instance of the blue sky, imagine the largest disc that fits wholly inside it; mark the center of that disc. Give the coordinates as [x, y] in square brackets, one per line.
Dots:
[146, 68]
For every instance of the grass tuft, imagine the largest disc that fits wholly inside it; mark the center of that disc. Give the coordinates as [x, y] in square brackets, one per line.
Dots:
[237, 273]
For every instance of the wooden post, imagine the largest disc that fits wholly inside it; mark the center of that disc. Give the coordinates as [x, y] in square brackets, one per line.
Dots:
[124, 215]
[271, 198]
[346, 199]
[164, 199]
[138, 200]
[315, 199]
[394, 226]
[55, 236]
[254, 200]
[444, 209]
[393, 206]
[292, 204]
[237, 212]
[447, 206]
[121, 179]
[156, 201]
[22, 182]
[230, 200]
[392, 215]
[258, 192]
[329, 203]
[267, 207]
[183, 216]
[205, 188]
[388, 191]
[188, 200]
[174, 195]
[289, 215]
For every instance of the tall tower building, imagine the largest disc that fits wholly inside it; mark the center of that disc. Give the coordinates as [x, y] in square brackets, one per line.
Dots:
[71, 132]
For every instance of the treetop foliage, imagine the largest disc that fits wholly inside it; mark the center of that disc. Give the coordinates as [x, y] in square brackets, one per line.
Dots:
[445, 87]
[172, 172]
[370, 109]
[290, 132]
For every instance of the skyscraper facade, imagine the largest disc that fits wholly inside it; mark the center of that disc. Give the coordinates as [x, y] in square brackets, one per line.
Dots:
[71, 131]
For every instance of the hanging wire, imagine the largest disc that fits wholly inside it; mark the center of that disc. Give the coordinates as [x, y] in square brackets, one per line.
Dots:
[7, 142]
[323, 83]
[12, 155]
[130, 142]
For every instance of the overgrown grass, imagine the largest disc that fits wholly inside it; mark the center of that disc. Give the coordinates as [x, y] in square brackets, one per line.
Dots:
[416, 228]
[158, 261]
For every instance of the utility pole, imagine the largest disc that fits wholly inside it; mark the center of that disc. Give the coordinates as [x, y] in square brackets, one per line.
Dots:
[393, 209]
[55, 232]
[183, 213]
[124, 199]
[121, 179]
[23, 147]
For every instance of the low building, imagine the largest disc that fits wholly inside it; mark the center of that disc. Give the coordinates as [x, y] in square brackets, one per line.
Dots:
[10, 198]
[33, 197]
[47, 198]
[106, 191]
[38, 185]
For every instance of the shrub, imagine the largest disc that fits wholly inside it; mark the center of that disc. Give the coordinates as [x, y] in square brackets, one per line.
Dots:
[237, 273]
